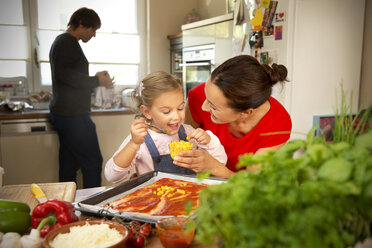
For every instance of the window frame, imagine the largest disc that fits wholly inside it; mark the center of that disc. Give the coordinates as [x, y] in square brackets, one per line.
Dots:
[34, 71]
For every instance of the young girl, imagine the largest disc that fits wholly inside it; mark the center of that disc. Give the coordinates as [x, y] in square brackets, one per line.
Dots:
[160, 99]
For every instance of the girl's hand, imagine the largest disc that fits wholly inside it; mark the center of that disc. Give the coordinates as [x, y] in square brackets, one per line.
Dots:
[201, 136]
[138, 130]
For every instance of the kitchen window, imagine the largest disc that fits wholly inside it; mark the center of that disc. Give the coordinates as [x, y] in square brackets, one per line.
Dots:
[29, 27]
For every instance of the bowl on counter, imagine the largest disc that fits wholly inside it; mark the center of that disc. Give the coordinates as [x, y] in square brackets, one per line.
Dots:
[173, 232]
[127, 99]
[88, 233]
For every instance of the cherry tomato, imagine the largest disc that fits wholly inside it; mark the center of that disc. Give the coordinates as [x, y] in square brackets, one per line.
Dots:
[134, 225]
[132, 233]
[146, 230]
[133, 222]
[138, 241]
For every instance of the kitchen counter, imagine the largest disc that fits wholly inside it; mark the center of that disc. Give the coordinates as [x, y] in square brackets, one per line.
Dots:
[32, 114]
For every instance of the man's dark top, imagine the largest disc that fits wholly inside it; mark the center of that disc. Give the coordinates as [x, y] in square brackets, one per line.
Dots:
[72, 85]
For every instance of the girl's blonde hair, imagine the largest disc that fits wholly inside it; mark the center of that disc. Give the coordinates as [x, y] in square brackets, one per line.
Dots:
[153, 85]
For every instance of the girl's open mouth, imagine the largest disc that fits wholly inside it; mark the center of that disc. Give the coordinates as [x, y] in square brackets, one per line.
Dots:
[173, 126]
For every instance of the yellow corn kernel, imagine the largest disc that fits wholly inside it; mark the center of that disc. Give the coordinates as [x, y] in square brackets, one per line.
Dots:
[181, 191]
[176, 146]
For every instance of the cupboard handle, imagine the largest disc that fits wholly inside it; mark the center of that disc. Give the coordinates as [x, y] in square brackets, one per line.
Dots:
[196, 64]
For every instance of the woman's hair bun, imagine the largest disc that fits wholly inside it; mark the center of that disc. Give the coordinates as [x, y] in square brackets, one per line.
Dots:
[277, 73]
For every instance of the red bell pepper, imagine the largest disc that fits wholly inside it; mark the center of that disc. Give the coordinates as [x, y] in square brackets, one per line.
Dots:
[63, 212]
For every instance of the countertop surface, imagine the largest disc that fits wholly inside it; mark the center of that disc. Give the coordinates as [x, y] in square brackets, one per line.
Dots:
[32, 114]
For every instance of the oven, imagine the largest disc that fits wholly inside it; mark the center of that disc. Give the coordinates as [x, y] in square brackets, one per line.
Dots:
[198, 63]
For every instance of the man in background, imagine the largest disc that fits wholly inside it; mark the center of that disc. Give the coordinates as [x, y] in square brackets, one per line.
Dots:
[70, 106]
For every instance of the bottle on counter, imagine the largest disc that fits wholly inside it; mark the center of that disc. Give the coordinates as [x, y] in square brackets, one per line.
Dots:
[20, 89]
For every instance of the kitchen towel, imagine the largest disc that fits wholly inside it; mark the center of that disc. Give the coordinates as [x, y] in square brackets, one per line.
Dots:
[103, 97]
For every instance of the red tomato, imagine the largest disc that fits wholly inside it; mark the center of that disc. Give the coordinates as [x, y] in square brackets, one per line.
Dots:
[146, 230]
[134, 225]
[138, 242]
[132, 234]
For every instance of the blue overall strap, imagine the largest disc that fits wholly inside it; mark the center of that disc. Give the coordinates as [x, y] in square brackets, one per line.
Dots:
[151, 147]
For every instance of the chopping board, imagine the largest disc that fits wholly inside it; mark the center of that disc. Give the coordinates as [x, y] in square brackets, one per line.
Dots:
[22, 192]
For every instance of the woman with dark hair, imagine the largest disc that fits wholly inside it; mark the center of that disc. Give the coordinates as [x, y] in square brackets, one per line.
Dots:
[236, 105]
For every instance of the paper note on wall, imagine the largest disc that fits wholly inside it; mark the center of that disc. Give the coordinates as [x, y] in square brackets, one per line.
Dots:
[265, 3]
[256, 21]
[269, 14]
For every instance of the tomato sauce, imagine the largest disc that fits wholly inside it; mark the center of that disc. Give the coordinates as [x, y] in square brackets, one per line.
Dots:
[172, 233]
[175, 243]
[149, 200]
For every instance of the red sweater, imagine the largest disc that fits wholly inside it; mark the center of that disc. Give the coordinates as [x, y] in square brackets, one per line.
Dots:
[276, 119]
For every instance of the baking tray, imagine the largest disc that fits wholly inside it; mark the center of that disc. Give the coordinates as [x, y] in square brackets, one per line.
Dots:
[94, 204]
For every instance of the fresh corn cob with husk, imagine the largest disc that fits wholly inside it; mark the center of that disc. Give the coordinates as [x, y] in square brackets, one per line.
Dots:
[176, 146]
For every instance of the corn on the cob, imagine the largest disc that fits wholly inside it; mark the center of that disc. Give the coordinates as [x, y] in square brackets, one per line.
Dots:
[176, 146]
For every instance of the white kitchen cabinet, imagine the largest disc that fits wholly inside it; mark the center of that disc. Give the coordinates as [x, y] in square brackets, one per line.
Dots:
[217, 31]
[223, 41]
[111, 131]
[29, 157]
[199, 36]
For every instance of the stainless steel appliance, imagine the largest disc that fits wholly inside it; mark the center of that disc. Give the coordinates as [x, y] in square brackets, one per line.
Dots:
[198, 63]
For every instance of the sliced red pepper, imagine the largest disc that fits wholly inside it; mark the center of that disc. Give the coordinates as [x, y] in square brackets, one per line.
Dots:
[63, 211]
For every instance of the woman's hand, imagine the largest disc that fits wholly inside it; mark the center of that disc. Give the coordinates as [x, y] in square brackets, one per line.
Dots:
[201, 161]
[200, 136]
[138, 130]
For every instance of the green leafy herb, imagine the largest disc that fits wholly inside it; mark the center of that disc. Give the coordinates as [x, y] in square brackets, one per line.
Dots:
[321, 197]
[202, 175]
[188, 207]
[349, 126]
